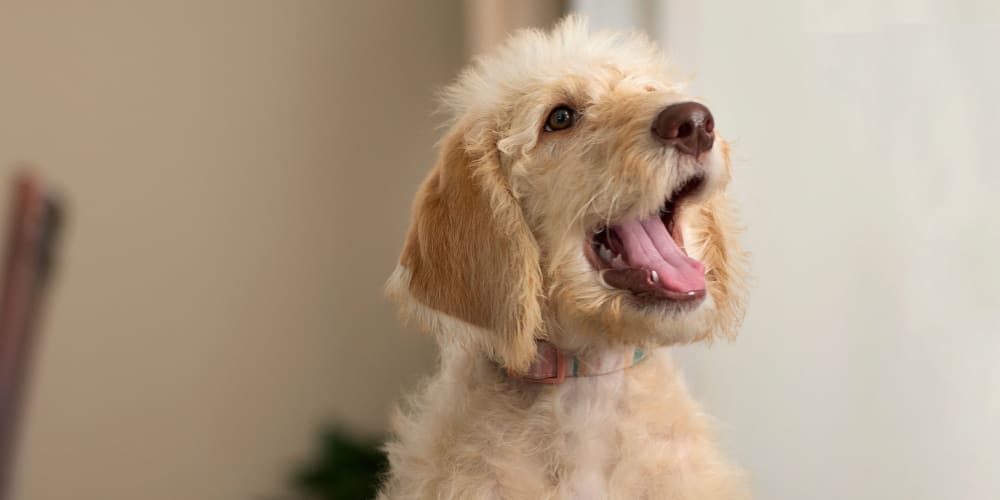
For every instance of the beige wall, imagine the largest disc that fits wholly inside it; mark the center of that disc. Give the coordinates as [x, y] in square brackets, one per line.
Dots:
[491, 21]
[239, 175]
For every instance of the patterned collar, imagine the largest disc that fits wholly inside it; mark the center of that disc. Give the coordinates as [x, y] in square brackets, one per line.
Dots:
[553, 365]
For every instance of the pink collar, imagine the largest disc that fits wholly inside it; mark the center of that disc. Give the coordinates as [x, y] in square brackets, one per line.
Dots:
[553, 365]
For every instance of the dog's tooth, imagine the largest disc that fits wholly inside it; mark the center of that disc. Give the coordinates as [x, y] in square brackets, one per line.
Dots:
[655, 277]
[605, 253]
[618, 262]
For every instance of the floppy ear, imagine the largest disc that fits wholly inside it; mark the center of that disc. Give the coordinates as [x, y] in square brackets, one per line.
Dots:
[470, 256]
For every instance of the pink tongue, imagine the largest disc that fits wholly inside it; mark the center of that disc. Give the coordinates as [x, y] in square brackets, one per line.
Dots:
[648, 245]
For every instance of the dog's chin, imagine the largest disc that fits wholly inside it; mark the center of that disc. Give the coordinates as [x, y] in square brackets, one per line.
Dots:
[617, 318]
[671, 324]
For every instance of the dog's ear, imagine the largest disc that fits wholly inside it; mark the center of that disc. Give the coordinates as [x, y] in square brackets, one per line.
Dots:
[469, 255]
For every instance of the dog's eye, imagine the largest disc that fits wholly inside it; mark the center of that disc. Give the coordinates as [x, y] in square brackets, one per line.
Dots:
[560, 118]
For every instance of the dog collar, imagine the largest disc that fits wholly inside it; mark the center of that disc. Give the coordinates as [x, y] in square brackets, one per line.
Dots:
[552, 365]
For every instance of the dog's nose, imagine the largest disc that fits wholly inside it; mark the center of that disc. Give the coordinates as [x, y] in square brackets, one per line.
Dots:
[687, 126]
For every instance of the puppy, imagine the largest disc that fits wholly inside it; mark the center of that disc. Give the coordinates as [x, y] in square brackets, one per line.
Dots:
[574, 226]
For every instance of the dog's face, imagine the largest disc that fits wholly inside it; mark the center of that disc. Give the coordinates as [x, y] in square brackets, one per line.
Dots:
[579, 198]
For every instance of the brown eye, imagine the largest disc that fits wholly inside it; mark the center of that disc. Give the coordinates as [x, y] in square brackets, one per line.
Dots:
[560, 118]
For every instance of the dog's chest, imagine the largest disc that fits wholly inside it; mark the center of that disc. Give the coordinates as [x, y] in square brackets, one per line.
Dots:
[593, 411]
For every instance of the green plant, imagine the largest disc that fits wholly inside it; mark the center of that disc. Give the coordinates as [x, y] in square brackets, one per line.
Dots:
[345, 467]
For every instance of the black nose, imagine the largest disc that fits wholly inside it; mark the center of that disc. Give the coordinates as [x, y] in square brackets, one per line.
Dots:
[687, 126]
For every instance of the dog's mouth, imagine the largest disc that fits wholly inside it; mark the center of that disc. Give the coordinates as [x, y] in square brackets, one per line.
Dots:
[646, 256]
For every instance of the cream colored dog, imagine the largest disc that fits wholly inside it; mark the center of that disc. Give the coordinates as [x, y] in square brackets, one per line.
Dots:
[574, 225]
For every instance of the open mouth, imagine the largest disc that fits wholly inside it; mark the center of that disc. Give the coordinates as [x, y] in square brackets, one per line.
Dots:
[647, 257]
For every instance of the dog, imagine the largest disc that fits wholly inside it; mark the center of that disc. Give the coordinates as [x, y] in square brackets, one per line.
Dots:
[574, 227]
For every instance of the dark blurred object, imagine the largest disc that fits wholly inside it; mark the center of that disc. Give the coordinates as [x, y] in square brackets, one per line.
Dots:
[344, 468]
[34, 225]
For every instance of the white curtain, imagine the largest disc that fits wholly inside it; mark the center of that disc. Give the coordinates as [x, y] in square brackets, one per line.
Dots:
[865, 138]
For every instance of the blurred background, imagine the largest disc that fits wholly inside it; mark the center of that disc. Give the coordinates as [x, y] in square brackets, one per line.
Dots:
[238, 176]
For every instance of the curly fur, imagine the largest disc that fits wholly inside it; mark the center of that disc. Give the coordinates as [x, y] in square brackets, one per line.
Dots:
[493, 262]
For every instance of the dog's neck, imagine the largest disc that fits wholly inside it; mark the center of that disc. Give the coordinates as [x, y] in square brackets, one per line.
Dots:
[553, 365]
[599, 413]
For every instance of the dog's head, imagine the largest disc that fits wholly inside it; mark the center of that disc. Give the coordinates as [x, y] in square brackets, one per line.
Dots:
[578, 198]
